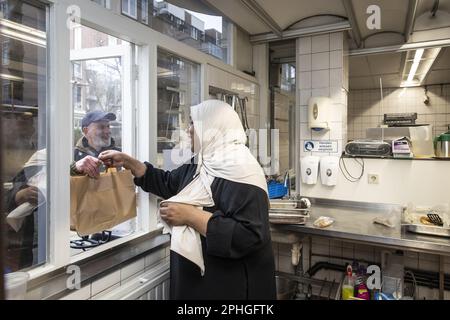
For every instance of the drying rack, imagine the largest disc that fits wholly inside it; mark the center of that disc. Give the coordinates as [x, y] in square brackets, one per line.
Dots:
[317, 289]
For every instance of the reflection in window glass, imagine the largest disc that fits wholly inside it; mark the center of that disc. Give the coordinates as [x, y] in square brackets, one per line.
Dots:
[206, 33]
[23, 79]
[100, 63]
[178, 90]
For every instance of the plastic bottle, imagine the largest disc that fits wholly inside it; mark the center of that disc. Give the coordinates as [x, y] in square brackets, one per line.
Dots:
[348, 286]
[361, 290]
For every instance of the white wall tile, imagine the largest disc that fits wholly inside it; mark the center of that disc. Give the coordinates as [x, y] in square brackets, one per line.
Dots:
[322, 92]
[320, 43]
[336, 59]
[305, 131]
[320, 79]
[336, 41]
[132, 269]
[285, 264]
[304, 62]
[304, 80]
[303, 114]
[83, 293]
[304, 45]
[335, 130]
[428, 265]
[336, 78]
[105, 282]
[305, 94]
[320, 61]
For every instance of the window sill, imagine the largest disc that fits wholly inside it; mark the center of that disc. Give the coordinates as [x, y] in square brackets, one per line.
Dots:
[48, 282]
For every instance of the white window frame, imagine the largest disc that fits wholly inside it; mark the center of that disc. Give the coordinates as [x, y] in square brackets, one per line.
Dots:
[129, 8]
[60, 115]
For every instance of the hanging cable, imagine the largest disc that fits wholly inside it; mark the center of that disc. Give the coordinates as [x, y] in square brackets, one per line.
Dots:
[347, 175]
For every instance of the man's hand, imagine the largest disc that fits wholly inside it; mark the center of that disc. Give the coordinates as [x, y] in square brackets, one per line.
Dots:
[88, 165]
[29, 194]
[178, 214]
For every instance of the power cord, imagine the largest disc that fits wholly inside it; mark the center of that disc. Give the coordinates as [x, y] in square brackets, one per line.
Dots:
[347, 175]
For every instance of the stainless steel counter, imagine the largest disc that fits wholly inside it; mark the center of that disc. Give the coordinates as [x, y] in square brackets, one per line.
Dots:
[354, 221]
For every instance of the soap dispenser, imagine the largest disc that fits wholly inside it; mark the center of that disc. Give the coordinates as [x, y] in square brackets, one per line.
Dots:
[319, 109]
[309, 169]
[329, 170]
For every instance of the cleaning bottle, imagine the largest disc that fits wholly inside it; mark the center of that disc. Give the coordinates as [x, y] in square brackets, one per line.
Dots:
[361, 290]
[348, 286]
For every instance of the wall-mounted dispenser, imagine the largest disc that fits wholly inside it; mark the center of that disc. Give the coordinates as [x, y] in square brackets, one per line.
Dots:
[329, 170]
[319, 109]
[310, 169]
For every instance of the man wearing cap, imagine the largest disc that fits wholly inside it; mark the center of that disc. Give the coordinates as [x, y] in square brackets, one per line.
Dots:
[96, 138]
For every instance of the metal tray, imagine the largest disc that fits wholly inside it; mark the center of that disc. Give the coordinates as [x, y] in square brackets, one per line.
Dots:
[287, 218]
[288, 206]
[428, 230]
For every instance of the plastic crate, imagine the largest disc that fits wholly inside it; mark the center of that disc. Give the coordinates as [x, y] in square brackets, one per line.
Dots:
[276, 190]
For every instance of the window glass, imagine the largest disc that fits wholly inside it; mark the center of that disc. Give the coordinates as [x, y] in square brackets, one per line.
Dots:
[101, 66]
[178, 89]
[23, 111]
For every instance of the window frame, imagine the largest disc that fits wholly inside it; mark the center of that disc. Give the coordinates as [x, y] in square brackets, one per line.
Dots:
[60, 119]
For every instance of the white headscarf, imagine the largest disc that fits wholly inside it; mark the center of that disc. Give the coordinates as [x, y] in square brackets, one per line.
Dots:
[222, 154]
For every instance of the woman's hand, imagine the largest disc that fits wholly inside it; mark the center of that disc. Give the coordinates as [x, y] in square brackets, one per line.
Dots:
[178, 214]
[29, 194]
[113, 158]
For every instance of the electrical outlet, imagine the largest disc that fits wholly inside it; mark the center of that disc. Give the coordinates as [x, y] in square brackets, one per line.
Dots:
[373, 178]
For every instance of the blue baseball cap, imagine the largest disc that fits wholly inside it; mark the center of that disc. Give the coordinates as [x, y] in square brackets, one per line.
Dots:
[95, 116]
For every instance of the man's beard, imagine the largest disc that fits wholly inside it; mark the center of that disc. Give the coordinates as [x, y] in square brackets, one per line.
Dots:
[101, 143]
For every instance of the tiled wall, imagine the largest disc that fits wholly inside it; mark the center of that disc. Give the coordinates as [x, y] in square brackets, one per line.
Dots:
[282, 101]
[322, 70]
[352, 251]
[117, 278]
[365, 109]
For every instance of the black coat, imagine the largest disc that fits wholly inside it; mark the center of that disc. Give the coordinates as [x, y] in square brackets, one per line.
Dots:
[237, 249]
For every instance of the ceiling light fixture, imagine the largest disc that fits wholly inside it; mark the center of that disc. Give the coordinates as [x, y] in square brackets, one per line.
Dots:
[415, 65]
[423, 58]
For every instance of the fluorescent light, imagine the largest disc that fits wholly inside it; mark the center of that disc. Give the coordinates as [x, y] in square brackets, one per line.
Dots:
[11, 77]
[22, 28]
[23, 37]
[425, 63]
[20, 32]
[415, 65]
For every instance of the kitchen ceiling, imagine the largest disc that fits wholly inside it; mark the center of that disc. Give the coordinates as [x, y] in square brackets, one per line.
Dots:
[365, 71]
[271, 17]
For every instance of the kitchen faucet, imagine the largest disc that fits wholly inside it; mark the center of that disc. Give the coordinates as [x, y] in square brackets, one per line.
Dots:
[287, 183]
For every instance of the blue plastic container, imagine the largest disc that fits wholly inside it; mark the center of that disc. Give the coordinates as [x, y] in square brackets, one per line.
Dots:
[276, 190]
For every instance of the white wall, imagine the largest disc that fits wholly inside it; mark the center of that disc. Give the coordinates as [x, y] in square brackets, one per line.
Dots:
[364, 107]
[422, 182]
[244, 53]
[321, 69]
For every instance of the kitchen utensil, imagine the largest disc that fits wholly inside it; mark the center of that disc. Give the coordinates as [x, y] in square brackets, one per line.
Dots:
[435, 218]
[428, 230]
[442, 145]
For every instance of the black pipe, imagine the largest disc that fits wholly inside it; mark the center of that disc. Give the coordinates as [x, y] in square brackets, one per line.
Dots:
[435, 8]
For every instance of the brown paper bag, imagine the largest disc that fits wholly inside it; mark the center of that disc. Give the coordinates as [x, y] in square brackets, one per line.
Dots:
[100, 204]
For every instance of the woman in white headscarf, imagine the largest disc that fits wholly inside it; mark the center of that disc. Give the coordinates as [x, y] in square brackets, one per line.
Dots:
[216, 208]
